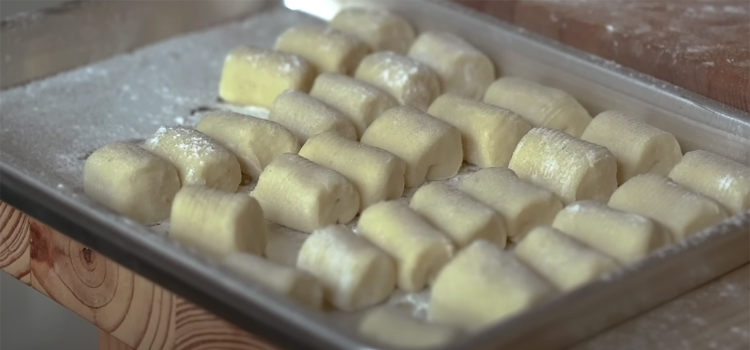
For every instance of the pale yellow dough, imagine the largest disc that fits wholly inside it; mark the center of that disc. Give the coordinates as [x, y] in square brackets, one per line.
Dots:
[489, 133]
[483, 285]
[305, 116]
[377, 174]
[456, 213]
[255, 76]
[462, 68]
[390, 326]
[522, 204]
[572, 168]
[305, 196]
[329, 50]
[430, 147]
[419, 249]
[256, 142]
[411, 82]
[381, 30]
[131, 181]
[540, 105]
[359, 101]
[625, 236]
[218, 222]
[296, 284]
[355, 274]
[639, 148]
[199, 159]
[682, 211]
[717, 177]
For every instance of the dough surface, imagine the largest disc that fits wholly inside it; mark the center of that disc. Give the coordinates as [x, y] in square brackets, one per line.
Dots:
[430, 147]
[131, 181]
[329, 50]
[572, 168]
[255, 76]
[381, 30]
[390, 326]
[305, 116]
[489, 133]
[217, 222]
[463, 70]
[419, 249]
[355, 274]
[302, 195]
[540, 105]
[256, 142]
[377, 174]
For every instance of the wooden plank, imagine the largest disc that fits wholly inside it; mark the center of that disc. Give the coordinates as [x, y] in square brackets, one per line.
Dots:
[108, 342]
[14, 243]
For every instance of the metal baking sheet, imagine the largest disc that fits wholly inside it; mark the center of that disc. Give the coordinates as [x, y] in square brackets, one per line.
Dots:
[51, 124]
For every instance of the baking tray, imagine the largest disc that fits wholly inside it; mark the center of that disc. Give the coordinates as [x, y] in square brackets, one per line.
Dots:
[123, 90]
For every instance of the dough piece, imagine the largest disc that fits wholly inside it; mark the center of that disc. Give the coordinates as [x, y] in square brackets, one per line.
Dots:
[409, 81]
[522, 204]
[302, 195]
[419, 249]
[377, 174]
[463, 70]
[355, 274]
[218, 222]
[199, 159]
[131, 181]
[489, 133]
[639, 148]
[483, 285]
[392, 327]
[459, 215]
[680, 210]
[540, 105]
[305, 116]
[256, 142]
[717, 177]
[430, 147]
[574, 169]
[290, 282]
[255, 76]
[381, 30]
[564, 261]
[624, 236]
[328, 49]
[359, 101]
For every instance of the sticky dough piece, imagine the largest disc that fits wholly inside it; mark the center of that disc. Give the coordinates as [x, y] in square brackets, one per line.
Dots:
[522, 204]
[639, 148]
[131, 181]
[255, 76]
[682, 211]
[430, 147]
[572, 168]
[199, 159]
[483, 285]
[463, 70]
[540, 105]
[305, 116]
[409, 81]
[567, 263]
[328, 49]
[287, 281]
[355, 274]
[381, 30]
[256, 142]
[489, 133]
[717, 177]
[218, 222]
[462, 217]
[377, 174]
[302, 195]
[359, 101]
[392, 327]
[419, 249]
[625, 236]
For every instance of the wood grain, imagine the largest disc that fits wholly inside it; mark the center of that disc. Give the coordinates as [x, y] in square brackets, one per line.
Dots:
[14, 243]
